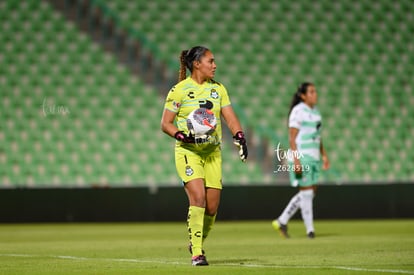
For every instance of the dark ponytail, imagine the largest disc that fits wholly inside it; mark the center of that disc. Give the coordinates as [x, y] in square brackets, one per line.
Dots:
[187, 57]
[183, 70]
[302, 89]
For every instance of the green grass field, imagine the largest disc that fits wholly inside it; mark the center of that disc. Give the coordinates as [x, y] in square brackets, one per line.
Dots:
[341, 247]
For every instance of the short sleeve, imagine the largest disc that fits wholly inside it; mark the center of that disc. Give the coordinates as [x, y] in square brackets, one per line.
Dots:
[225, 99]
[295, 118]
[173, 101]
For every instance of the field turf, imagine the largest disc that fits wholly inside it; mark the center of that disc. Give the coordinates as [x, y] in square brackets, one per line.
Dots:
[340, 247]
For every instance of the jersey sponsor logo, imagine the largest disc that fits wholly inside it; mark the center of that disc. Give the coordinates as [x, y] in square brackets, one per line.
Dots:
[191, 94]
[206, 104]
[318, 125]
[214, 94]
[189, 171]
[176, 104]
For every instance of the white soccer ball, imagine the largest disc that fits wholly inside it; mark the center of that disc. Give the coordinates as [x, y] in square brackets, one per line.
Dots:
[201, 122]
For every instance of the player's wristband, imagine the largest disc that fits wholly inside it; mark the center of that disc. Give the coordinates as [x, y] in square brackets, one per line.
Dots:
[239, 137]
[180, 136]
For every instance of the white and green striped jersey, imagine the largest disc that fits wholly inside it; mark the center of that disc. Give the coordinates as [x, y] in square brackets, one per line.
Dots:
[309, 122]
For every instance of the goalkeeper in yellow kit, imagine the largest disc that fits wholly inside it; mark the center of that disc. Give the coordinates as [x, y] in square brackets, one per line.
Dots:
[198, 161]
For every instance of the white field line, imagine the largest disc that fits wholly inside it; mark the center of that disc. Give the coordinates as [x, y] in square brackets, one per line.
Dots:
[361, 269]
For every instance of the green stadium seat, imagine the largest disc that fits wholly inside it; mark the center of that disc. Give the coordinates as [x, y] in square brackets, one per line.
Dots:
[350, 50]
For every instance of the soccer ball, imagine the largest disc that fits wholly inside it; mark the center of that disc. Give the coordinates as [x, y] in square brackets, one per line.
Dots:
[201, 122]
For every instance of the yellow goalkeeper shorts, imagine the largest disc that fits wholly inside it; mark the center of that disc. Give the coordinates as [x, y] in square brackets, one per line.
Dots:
[191, 165]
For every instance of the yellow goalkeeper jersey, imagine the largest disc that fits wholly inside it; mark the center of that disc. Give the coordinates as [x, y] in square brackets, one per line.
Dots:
[188, 95]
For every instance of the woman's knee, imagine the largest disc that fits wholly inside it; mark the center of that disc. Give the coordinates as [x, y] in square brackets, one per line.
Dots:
[198, 200]
[212, 201]
[211, 211]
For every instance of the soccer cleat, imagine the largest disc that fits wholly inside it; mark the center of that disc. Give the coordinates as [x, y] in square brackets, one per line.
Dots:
[190, 249]
[311, 235]
[199, 260]
[282, 228]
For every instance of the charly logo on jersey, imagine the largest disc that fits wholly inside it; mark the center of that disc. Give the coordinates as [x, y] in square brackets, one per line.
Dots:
[189, 171]
[191, 94]
[214, 94]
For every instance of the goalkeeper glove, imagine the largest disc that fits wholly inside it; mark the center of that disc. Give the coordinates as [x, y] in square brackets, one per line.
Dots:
[180, 136]
[240, 141]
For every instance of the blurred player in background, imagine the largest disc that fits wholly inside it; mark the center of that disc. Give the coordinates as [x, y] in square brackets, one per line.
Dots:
[198, 162]
[305, 155]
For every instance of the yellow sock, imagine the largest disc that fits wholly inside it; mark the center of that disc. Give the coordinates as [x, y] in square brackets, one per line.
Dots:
[208, 224]
[195, 222]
